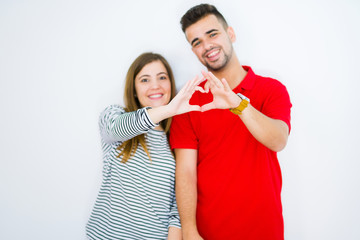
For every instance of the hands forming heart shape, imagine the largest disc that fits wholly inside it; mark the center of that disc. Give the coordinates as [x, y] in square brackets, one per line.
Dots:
[223, 96]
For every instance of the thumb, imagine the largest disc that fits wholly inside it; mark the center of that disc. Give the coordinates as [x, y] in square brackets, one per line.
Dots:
[200, 89]
[207, 86]
[194, 108]
[207, 107]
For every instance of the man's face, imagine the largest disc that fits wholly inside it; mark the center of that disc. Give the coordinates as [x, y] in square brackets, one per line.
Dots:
[210, 42]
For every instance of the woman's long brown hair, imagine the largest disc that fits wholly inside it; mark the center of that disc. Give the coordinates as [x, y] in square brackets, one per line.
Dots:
[128, 148]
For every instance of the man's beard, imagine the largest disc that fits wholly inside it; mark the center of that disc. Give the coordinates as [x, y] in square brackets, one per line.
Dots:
[226, 60]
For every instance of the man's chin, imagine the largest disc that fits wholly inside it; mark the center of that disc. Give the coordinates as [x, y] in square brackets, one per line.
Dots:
[215, 67]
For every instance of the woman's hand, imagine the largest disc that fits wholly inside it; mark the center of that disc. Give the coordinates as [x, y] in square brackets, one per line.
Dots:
[180, 103]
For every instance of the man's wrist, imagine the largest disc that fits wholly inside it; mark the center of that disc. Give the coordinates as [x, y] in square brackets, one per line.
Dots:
[190, 233]
[244, 102]
[235, 101]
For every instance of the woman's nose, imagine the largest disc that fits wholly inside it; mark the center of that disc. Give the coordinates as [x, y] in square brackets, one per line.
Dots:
[155, 84]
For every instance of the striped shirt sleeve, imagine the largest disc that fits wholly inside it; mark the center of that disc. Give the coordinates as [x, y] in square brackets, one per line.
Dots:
[117, 125]
[174, 220]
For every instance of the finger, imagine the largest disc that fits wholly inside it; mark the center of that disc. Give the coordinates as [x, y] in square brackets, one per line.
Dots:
[197, 81]
[204, 73]
[183, 88]
[200, 89]
[193, 85]
[202, 79]
[211, 79]
[208, 80]
[189, 84]
[207, 86]
[216, 81]
[226, 85]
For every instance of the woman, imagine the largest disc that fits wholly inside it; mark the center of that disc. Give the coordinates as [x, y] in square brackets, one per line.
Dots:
[137, 197]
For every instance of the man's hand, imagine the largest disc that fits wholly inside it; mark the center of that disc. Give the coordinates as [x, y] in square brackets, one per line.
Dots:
[174, 233]
[194, 236]
[224, 97]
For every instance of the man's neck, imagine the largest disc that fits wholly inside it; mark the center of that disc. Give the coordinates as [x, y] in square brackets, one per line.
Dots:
[234, 73]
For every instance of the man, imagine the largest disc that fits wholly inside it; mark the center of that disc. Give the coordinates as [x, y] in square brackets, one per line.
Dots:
[228, 179]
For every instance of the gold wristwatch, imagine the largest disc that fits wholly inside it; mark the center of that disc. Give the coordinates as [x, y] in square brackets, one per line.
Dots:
[243, 104]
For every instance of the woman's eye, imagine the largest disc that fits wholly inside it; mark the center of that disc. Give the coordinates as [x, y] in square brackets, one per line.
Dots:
[144, 80]
[163, 77]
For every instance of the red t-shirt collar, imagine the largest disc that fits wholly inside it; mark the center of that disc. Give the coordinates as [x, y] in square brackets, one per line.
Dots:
[248, 82]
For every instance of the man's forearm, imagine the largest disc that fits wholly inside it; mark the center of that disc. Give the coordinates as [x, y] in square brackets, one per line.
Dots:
[186, 190]
[186, 196]
[272, 133]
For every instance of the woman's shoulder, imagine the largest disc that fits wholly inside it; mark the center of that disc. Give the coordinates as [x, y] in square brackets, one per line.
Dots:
[111, 111]
[114, 108]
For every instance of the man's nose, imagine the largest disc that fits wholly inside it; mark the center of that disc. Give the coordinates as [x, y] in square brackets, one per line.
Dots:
[207, 45]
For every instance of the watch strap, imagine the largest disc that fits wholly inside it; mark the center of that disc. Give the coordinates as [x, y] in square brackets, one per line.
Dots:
[243, 104]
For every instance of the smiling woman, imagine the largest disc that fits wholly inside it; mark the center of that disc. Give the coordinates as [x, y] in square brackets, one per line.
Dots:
[153, 86]
[137, 196]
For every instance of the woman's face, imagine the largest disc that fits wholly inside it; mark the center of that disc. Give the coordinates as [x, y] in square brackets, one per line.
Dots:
[152, 85]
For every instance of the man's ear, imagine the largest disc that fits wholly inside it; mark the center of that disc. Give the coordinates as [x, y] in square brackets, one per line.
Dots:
[231, 33]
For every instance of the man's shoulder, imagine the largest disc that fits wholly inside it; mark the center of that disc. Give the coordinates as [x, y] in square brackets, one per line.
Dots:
[268, 83]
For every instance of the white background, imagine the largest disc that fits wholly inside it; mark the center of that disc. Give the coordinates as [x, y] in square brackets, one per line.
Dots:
[62, 62]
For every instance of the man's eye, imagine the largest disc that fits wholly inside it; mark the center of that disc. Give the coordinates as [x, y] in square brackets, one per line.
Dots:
[213, 34]
[196, 44]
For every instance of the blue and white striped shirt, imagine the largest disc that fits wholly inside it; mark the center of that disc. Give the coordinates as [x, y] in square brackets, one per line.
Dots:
[137, 198]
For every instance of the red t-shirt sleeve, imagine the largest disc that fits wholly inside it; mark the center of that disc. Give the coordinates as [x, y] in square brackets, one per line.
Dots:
[277, 105]
[182, 134]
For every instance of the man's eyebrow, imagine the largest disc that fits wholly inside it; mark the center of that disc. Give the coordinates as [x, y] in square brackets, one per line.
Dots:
[195, 39]
[208, 32]
[212, 30]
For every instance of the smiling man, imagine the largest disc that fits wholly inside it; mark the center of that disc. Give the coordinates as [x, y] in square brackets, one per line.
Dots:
[228, 179]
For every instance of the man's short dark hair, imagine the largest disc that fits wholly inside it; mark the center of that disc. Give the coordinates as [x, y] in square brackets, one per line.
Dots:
[198, 12]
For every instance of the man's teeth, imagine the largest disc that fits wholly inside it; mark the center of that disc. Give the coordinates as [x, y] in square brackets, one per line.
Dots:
[213, 53]
[155, 96]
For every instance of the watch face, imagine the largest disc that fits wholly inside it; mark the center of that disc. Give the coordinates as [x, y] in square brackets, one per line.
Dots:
[240, 96]
[243, 97]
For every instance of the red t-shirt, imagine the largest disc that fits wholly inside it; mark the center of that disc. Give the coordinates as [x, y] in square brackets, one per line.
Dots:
[239, 179]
